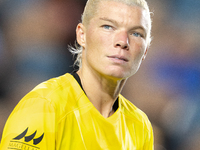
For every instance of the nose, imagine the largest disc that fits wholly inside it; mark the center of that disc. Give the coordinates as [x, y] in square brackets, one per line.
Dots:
[121, 40]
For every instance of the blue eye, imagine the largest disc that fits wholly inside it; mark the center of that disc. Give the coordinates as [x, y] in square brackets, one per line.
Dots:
[136, 34]
[107, 27]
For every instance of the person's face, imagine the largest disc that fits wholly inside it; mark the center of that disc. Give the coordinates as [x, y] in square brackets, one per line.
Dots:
[115, 41]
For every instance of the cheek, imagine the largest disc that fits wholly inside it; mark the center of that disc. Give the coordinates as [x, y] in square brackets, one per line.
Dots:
[96, 44]
[137, 57]
[91, 39]
[143, 48]
[92, 49]
[138, 50]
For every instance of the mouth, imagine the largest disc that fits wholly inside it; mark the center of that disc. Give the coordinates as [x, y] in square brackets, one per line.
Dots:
[119, 58]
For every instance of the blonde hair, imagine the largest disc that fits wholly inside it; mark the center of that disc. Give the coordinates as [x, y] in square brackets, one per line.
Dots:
[91, 10]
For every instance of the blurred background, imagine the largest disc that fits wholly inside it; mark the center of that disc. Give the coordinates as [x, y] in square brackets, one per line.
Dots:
[34, 39]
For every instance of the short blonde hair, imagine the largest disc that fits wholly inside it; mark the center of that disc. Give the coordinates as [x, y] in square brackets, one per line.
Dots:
[91, 10]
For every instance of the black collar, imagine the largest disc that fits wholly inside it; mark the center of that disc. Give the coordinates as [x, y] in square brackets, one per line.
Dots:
[76, 76]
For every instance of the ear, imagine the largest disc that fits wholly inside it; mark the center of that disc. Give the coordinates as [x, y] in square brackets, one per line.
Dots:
[80, 34]
[145, 54]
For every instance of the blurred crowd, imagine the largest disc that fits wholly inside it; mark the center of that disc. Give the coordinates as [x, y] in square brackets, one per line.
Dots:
[34, 39]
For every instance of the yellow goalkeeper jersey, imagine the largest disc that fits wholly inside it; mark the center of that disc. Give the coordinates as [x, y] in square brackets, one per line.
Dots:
[57, 115]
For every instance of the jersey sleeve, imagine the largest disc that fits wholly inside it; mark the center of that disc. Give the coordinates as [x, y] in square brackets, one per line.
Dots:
[149, 142]
[31, 125]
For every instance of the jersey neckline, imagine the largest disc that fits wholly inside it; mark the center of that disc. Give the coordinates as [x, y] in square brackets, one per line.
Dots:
[115, 105]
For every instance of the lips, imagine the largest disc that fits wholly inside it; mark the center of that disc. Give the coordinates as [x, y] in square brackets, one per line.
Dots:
[123, 58]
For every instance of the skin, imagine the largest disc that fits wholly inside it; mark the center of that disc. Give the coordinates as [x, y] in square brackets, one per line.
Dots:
[114, 45]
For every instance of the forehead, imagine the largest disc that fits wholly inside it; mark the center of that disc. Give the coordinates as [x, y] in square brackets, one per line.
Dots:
[122, 13]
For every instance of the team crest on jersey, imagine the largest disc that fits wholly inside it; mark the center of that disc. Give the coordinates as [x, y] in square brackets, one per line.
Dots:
[26, 142]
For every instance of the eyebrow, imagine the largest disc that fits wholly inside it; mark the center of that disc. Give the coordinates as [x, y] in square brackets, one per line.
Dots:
[109, 20]
[139, 27]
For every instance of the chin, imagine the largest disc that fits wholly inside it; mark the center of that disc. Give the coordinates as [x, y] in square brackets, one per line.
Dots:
[120, 73]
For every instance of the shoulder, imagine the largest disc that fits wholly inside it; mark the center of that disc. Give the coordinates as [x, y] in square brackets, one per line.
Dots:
[134, 113]
[52, 86]
[59, 93]
[41, 111]
[55, 89]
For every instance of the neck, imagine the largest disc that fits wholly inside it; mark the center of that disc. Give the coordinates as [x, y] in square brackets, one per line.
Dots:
[101, 91]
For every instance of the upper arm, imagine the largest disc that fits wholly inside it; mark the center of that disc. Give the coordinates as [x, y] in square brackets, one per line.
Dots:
[30, 125]
[149, 143]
